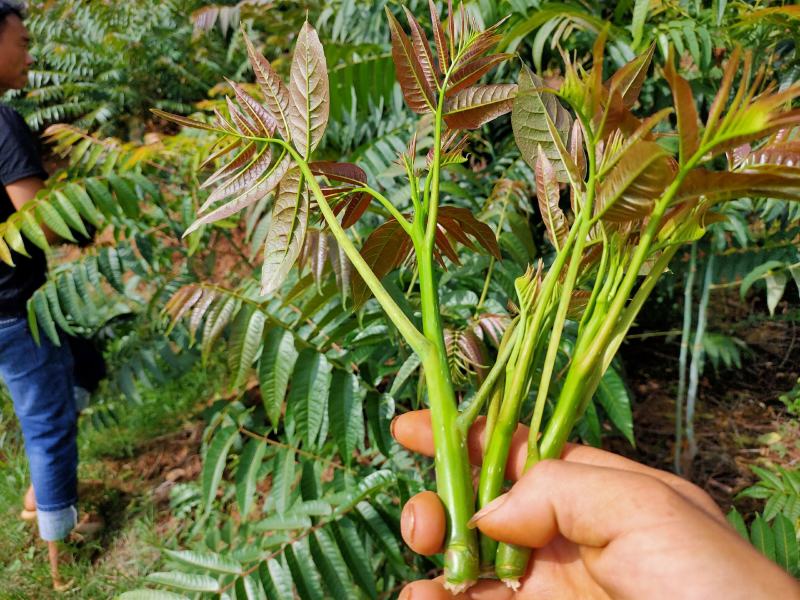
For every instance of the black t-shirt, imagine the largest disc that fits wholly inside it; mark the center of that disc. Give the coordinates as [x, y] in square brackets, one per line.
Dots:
[19, 158]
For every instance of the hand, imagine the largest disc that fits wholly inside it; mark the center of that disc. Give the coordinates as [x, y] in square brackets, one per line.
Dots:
[601, 526]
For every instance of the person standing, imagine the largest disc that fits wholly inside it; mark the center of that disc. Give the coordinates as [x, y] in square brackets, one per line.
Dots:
[38, 376]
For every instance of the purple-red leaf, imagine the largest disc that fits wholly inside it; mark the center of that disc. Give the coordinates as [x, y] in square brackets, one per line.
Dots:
[423, 51]
[385, 249]
[547, 195]
[309, 91]
[471, 72]
[442, 50]
[685, 111]
[287, 231]
[629, 79]
[473, 107]
[416, 90]
[275, 93]
[459, 221]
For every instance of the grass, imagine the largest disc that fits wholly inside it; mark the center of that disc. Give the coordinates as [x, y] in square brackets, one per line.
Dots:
[136, 524]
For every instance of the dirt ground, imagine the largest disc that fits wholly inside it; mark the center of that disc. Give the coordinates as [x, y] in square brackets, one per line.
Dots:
[740, 421]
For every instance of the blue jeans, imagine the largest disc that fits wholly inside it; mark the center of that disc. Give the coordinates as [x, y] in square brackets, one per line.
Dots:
[40, 380]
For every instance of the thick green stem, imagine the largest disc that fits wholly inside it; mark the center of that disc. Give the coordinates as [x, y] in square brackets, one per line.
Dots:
[453, 475]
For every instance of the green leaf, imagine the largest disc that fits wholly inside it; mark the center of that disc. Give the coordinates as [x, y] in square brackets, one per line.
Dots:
[304, 572]
[529, 122]
[126, 196]
[776, 285]
[762, 537]
[277, 361]
[287, 231]
[209, 561]
[69, 213]
[283, 478]
[637, 22]
[346, 417]
[736, 520]
[41, 308]
[102, 197]
[247, 474]
[185, 581]
[245, 340]
[382, 535]
[110, 265]
[276, 581]
[616, 402]
[406, 370]
[311, 382]
[332, 567]
[214, 463]
[82, 202]
[55, 308]
[32, 230]
[354, 555]
[787, 554]
[770, 478]
[54, 222]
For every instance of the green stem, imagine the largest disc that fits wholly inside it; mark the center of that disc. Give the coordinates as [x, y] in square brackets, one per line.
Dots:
[412, 335]
[386, 204]
[453, 471]
[471, 412]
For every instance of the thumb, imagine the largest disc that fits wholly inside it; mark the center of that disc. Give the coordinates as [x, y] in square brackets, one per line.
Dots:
[587, 504]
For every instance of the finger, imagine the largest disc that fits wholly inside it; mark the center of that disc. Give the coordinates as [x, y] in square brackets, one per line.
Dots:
[434, 590]
[423, 523]
[588, 505]
[593, 456]
[413, 430]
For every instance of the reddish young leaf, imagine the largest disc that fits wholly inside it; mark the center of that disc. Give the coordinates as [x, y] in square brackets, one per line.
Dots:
[244, 179]
[451, 217]
[183, 121]
[256, 189]
[442, 49]
[493, 326]
[471, 73]
[264, 121]
[473, 107]
[416, 91]
[629, 79]
[241, 122]
[685, 111]
[309, 91]
[721, 99]
[716, 186]
[240, 160]
[287, 231]
[547, 195]
[423, 51]
[631, 187]
[444, 245]
[385, 249]
[275, 93]
[354, 206]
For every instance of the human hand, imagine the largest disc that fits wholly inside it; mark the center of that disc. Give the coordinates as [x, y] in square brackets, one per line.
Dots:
[601, 526]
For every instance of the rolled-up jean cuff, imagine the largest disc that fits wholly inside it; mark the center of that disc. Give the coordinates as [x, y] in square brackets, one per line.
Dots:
[56, 524]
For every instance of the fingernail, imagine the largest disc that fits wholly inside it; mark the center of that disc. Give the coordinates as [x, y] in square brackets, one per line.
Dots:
[489, 508]
[407, 521]
[392, 426]
[405, 594]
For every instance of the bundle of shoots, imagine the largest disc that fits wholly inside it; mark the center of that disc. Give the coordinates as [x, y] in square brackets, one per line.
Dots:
[616, 199]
